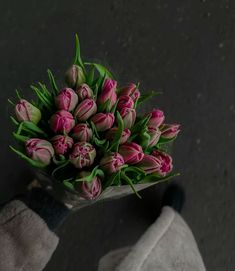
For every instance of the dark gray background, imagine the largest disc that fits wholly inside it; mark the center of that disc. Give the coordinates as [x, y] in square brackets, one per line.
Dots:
[187, 49]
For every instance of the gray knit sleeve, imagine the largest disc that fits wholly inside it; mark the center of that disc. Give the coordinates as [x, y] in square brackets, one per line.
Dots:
[26, 242]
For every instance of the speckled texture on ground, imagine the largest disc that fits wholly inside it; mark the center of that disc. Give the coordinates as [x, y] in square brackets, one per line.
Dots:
[186, 49]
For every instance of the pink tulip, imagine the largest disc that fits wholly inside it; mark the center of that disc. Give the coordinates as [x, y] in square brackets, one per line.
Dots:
[125, 134]
[62, 122]
[83, 155]
[75, 77]
[156, 118]
[125, 101]
[132, 153]
[155, 134]
[108, 93]
[165, 162]
[90, 190]
[66, 100]
[84, 92]
[25, 111]
[39, 150]
[128, 115]
[103, 121]
[85, 109]
[112, 162]
[131, 91]
[169, 130]
[150, 164]
[82, 132]
[61, 144]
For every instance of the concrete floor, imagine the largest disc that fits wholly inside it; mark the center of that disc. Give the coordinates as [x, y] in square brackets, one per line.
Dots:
[186, 49]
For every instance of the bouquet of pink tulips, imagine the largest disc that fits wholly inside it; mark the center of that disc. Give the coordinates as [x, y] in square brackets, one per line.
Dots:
[87, 136]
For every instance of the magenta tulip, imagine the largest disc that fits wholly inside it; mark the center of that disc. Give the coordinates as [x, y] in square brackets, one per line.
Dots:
[131, 152]
[25, 111]
[155, 134]
[108, 93]
[61, 144]
[169, 130]
[128, 115]
[165, 162]
[89, 190]
[124, 137]
[62, 122]
[103, 121]
[150, 164]
[39, 150]
[81, 132]
[66, 100]
[125, 101]
[83, 155]
[75, 77]
[85, 109]
[156, 118]
[131, 90]
[112, 162]
[84, 92]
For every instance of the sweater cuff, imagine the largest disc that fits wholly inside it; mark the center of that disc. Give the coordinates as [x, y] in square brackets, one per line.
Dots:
[27, 242]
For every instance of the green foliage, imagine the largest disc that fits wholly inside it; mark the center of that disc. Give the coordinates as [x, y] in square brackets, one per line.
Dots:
[89, 178]
[116, 141]
[77, 59]
[30, 161]
[55, 89]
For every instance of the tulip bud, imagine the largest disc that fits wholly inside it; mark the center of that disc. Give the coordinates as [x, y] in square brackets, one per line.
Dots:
[39, 150]
[125, 101]
[156, 118]
[149, 164]
[128, 115]
[90, 190]
[131, 90]
[108, 93]
[74, 77]
[81, 132]
[155, 134]
[169, 130]
[66, 100]
[103, 121]
[132, 153]
[85, 109]
[165, 162]
[84, 92]
[83, 155]
[62, 122]
[25, 111]
[112, 162]
[61, 144]
[125, 134]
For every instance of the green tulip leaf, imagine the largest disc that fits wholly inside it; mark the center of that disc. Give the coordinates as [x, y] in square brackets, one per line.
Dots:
[155, 178]
[33, 127]
[57, 169]
[129, 181]
[116, 141]
[90, 76]
[163, 140]
[78, 59]
[55, 89]
[42, 98]
[68, 184]
[89, 178]
[101, 69]
[20, 137]
[29, 160]
[14, 120]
